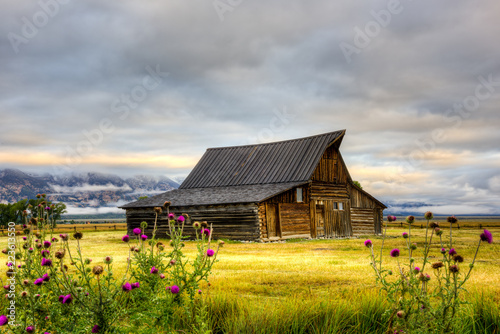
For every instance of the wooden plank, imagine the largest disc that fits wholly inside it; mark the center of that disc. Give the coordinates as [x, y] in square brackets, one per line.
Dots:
[271, 214]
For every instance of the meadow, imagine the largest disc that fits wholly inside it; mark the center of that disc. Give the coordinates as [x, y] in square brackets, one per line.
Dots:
[316, 286]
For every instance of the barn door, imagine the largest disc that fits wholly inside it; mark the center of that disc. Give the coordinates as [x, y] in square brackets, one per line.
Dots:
[273, 223]
[320, 220]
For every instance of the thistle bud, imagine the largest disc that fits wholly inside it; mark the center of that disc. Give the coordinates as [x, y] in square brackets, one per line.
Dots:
[97, 270]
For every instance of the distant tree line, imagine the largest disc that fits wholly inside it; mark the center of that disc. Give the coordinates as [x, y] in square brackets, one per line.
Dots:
[15, 212]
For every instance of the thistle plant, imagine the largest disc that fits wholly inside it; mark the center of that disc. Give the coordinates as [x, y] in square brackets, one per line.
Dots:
[58, 289]
[424, 301]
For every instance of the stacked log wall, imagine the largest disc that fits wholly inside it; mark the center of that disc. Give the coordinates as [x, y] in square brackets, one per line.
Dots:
[237, 222]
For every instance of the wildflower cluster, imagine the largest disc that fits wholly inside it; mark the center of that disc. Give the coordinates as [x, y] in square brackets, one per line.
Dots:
[59, 290]
[425, 298]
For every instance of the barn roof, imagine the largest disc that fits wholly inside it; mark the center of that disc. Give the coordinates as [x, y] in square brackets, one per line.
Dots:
[279, 162]
[210, 196]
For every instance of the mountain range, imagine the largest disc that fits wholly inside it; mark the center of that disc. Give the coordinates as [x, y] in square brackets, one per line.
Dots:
[81, 190]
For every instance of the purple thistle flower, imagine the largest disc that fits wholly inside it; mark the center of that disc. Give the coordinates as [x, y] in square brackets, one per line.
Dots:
[181, 219]
[126, 287]
[416, 270]
[63, 236]
[135, 285]
[46, 277]
[171, 216]
[125, 238]
[210, 252]
[452, 252]
[38, 281]
[154, 270]
[30, 329]
[174, 289]
[137, 231]
[61, 298]
[3, 320]
[67, 299]
[96, 329]
[162, 276]
[9, 264]
[54, 239]
[6, 287]
[205, 231]
[368, 243]
[487, 236]
[45, 253]
[395, 252]
[24, 238]
[144, 237]
[46, 262]
[443, 250]
[405, 235]
[47, 208]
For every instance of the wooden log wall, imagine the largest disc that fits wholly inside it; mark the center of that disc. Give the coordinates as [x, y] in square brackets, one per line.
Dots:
[262, 221]
[294, 220]
[329, 191]
[363, 221]
[379, 218]
[237, 222]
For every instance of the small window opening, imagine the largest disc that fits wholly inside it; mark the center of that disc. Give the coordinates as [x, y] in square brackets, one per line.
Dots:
[299, 195]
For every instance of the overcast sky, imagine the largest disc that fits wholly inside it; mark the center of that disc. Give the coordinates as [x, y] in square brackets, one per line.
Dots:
[131, 87]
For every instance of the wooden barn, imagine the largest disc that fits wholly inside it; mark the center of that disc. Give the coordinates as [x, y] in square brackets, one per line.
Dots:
[298, 188]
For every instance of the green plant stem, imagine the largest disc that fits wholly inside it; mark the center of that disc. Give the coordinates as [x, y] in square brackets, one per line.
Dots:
[382, 247]
[451, 237]
[471, 266]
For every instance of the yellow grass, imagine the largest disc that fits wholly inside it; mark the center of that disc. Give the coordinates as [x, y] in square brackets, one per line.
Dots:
[330, 268]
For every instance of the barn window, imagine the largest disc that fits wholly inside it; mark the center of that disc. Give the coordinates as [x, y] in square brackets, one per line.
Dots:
[299, 195]
[341, 206]
[335, 206]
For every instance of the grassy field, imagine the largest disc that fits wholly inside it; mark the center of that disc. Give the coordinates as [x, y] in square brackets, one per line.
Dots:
[270, 280]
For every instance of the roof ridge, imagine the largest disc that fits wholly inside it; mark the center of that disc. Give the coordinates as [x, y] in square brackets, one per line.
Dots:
[276, 142]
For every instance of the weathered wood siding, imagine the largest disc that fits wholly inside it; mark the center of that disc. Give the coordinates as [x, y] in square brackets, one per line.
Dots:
[363, 221]
[237, 222]
[327, 221]
[365, 212]
[294, 220]
[290, 196]
[331, 168]
[282, 217]
[360, 200]
[328, 191]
